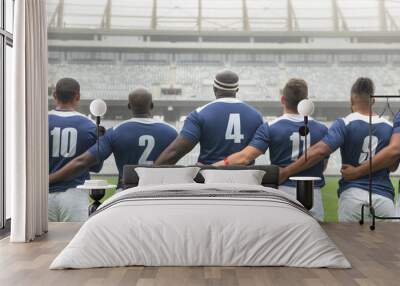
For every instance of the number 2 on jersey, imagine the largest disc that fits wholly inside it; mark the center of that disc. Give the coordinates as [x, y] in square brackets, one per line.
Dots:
[148, 142]
[233, 130]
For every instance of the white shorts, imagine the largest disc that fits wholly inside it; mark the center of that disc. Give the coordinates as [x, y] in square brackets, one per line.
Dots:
[69, 206]
[318, 209]
[352, 199]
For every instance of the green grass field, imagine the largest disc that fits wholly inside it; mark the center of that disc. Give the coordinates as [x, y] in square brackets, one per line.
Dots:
[329, 195]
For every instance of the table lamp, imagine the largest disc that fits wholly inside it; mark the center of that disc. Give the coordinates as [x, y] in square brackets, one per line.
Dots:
[305, 108]
[96, 188]
[305, 185]
[98, 108]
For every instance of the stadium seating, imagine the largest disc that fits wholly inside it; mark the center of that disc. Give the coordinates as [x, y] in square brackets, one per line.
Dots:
[108, 80]
[334, 82]
[257, 82]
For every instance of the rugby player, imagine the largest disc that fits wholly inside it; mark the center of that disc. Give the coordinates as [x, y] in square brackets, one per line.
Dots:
[285, 143]
[222, 127]
[139, 140]
[388, 157]
[351, 135]
[70, 134]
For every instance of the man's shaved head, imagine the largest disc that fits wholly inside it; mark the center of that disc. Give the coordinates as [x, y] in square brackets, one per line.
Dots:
[226, 84]
[140, 101]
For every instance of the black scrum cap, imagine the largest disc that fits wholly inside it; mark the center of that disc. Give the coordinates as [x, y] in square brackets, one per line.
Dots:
[226, 80]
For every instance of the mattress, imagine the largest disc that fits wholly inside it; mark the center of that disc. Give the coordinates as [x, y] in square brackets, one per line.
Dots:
[201, 225]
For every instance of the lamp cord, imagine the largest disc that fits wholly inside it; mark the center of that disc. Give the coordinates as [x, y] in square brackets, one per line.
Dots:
[305, 136]
[98, 138]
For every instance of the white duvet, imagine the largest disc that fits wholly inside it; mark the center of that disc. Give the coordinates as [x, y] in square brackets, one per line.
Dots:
[208, 230]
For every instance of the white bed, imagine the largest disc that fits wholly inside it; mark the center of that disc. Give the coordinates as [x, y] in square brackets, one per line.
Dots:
[222, 225]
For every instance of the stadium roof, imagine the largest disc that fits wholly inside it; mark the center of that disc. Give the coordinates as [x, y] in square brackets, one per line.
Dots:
[226, 15]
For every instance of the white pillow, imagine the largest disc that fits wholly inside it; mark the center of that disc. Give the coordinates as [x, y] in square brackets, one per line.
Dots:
[248, 177]
[166, 176]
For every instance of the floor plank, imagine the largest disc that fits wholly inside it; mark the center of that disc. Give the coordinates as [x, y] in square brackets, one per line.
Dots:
[375, 257]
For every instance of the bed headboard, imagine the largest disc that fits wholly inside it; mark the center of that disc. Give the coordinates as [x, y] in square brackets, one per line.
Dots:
[130, 178]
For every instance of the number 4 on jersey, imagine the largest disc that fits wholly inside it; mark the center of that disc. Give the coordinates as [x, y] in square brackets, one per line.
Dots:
[233, 130]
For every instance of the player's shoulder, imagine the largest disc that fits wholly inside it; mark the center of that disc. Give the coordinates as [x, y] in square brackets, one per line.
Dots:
[318, 124]
[294, 120]
[70, 114]
[224, 101]
[146, 121]
[286, 118]
[217, 102]
[396, 119]
[358, 117]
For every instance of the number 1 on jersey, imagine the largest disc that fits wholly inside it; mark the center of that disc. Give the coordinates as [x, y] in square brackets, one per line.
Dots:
[295, 138]
[233, 130]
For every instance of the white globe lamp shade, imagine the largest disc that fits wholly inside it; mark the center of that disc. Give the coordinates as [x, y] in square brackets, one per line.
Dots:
[98, 107]
[305, 107]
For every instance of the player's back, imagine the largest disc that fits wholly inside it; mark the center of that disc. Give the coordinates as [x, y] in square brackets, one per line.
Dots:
[222, 127]
[355, 149]
[287, 145]
[139, 141]
[70, 134]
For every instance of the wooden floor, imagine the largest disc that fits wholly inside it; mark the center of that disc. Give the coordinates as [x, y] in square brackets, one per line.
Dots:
[375, 257]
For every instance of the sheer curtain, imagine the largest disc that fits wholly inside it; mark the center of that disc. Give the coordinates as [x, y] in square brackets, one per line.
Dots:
[26, 123]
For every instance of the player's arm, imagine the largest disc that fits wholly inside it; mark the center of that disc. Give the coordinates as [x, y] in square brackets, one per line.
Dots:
[184, 143]
[315, 154]
[326, 161]
[97, 167]
[75, 167]
[318, 152]
[175, 151]
[394, 167]
[92, 157]
[388, 157]
[257, 146]
[244, 157]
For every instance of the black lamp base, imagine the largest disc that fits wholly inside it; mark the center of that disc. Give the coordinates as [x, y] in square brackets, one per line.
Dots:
[96, 196]
[305, 193]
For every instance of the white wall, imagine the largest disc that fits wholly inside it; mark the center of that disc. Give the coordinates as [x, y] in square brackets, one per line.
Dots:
[9, 66]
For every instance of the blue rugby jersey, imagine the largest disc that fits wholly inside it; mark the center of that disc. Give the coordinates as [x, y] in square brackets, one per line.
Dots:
[70, 134]
[135, 141]
[351, 135]
[285, 144]
[222, 127]
[396, 124]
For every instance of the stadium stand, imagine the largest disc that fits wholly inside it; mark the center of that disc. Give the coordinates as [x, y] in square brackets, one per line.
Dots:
[109, 80]
[257, 82]
[111, 57]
